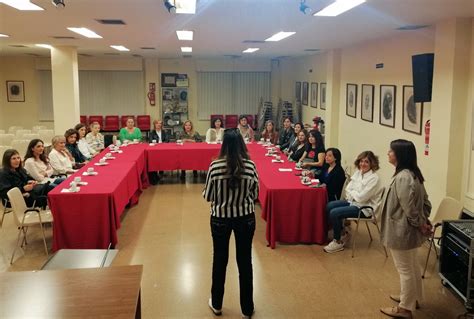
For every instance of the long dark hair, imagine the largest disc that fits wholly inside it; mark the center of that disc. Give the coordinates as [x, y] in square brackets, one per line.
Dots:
[234, 151]
[6, 160]
[405, 152]
[77, 128]
[318, 137]
[337, 155]
[70, 132]
[29, 151]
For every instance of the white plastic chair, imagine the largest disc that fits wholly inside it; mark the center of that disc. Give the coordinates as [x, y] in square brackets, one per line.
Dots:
[6, 139]
[20, 133]
[36, 128]
[20, 146]
[25, 217]
[3, 210]
[46, 136]
[449, 209]
[3, 148]
[30, 136]
[2, 131]
[13, 129]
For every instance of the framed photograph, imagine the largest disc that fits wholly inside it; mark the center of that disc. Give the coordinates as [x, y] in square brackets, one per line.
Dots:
[304, 98]
[367, 102]
[387, 112]
[351, 100]
[314, 94]
[322, 95]
[15, 91]
[412, 113]
[168, 79]
[298, 91]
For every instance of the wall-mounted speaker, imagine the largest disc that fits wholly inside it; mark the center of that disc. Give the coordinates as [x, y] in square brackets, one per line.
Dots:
[422, 66]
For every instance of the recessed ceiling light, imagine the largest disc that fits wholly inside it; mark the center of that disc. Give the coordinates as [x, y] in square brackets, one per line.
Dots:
[45, 46]
[251, 50]
[85, 32]
[186, 49]
[279, 36]
[184, 35]
[185, 6]
[24, 5]
[338, 7]
[119, 47]
[4, 35]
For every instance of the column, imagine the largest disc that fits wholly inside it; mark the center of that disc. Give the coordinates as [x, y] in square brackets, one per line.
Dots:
[333, 83]
[65, 77]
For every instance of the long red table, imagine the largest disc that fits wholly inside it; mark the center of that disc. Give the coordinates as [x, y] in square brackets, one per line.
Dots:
[90, 218]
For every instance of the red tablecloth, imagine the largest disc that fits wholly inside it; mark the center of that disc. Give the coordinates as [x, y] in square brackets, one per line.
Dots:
[189, 156]
[294, 213]
[91, 217]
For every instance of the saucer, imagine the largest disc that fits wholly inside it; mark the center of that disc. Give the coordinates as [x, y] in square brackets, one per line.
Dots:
[101, 164]
[90, 174]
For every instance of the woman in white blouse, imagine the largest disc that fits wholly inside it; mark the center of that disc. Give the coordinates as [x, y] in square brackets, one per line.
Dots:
[37, 164]
[364, 189]
[216, 132]
[60, 159]
[84, 147]
[94, 138]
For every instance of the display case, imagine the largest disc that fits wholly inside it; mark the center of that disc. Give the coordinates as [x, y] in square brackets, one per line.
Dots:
[174, 101]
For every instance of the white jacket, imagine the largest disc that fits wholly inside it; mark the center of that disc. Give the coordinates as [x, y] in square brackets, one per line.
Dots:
[85, 148]
[60, 162]
[364, 190]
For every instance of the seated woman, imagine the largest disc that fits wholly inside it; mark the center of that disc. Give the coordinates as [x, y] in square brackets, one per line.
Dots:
[287, 135]
[94, 138]
[245, 130]
[14, 175]
[189, 135]
[158, 134]
[294, 139]
[333, 176]
[60, 159]
[84, 147]
[269, 133]
[71, 145]
[130, 132]
[313, 157]
[297, 151]
[37, 164]
[364, 189]
[216, 132]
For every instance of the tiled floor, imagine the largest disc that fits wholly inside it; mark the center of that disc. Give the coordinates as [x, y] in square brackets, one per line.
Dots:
[168, 232]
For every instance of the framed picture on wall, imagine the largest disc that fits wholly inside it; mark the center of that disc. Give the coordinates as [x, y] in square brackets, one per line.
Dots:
[387, 112]
[351, 100]
[298, 91]
[304, 98]
[412, 113]
[322, 95]
[367, 102]
[15, 91]
[314, 94]
[168, 79]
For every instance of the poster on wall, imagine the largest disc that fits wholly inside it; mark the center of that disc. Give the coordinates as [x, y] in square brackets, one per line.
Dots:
[351, 100]
[387, 105]
[314, 95]
[15, 91]
[412, 113]
[367, 102]
[298, 91]
[304, 98]
[322, 95]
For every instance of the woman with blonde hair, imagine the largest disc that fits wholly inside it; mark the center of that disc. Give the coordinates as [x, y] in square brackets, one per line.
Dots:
[189, 134]
[95, 138]
[158, 134]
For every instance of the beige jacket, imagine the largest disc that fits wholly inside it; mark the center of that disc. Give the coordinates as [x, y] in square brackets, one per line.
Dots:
[405, 206]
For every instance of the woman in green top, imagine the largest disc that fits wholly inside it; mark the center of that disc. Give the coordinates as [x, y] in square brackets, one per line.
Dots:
[130, 132]
[189, 134]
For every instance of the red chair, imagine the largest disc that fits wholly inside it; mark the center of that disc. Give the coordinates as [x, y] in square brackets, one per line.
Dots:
[124, 118]
[144, 122]
[97, 118]
[112, 123]
[231, 121]
[217, 116]
[83, 120]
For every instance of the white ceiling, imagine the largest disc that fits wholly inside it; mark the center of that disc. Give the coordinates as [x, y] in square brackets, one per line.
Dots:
[220, 25]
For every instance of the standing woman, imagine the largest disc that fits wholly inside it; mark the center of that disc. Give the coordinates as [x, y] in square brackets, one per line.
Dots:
[269, 133]
[405, 225]
[232, 188]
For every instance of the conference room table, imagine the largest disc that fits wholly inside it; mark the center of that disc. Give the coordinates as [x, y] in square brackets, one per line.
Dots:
[90, 218]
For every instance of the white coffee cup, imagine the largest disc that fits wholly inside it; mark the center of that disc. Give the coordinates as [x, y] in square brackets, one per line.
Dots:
[278, 158]
[153, 141]
[111, 146]
[102, 160]
[262, 140]
[108, 155]
[73, 186]
[135, 140]
[298, 165]
[90, 170]
[77, 179]
[267, 140]
[119, 143]
[179, 141]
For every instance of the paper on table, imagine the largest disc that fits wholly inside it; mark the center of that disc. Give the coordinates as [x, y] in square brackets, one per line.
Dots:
[277, 161]
[90, 174]
[285, 169]
[101, 164]
[67, 190]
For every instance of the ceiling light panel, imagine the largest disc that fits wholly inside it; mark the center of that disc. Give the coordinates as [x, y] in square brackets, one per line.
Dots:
[119, 47]
[85, 32]
[4, 35]
[184, 35]
[24, 5]
[338, 7]
[186, 49]
[185, 6]
[44, 46]
[279, 36]
[251, 50]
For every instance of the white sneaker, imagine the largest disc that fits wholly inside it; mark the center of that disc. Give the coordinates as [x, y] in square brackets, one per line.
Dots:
[333, 247]
[217, 312]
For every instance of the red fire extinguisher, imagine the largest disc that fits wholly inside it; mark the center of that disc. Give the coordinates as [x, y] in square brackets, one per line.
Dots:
[427, 137]
[151, 94]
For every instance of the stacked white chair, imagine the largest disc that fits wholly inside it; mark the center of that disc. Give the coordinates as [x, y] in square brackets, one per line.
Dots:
[3, 148]
[46, 136]
[13, 129]
[19, 134]
[30, 136]
[6, 139]
[2, 131]
[20, 146]
[36, 128]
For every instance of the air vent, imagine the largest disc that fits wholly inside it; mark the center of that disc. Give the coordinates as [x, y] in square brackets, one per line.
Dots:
[312, 50]
[85, 55]
[148, 48]
[233, 56]
[412, 27]
[63, 37]
[187, 56]
[253, 41]
[111, 21]
[111, 53]
[137, 55]
[17, 46]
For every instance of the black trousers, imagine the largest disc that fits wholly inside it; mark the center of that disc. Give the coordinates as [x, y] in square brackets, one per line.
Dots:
[244, 229]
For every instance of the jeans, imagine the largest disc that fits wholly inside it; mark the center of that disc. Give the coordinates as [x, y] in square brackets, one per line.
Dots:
[337, 211]
[244, 229]
[411, 287]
